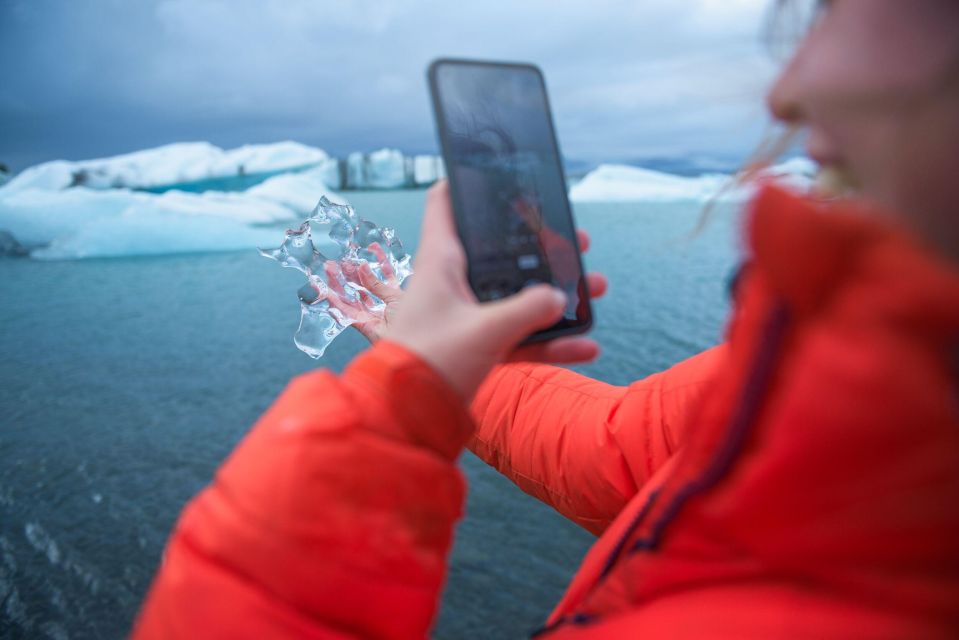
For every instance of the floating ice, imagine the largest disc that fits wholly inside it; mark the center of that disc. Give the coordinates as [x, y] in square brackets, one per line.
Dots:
[83, 223]
[608, 183]
[615, 183]
[428, 169]
[168, 165]
[110, 207]
[385, 169]
[331, 248]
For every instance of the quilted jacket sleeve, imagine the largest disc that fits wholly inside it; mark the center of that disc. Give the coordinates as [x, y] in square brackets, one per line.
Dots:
[332, 518]
[582, 446]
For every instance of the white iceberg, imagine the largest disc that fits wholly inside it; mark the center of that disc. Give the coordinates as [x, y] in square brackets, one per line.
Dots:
[622, 183]
[170, 164]
[382, 169]
[147, 231]
[428, 169]
[83, 222]
[612, 183]
[297, 192]
[387, 169]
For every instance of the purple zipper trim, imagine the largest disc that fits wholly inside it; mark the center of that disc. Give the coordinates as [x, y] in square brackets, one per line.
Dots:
[749, 406]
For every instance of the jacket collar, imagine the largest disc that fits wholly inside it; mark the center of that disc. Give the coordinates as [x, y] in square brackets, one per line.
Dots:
[811, 251]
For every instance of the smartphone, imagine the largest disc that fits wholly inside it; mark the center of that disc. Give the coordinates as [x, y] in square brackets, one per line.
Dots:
[507, 184]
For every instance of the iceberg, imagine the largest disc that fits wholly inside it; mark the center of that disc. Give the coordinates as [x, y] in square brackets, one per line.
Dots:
[382, 169]
[124, 205]
[334, 296]
[86, 223]
[83, 222]
[612, 183]
[149, 231]
[171, 164]
[428, 169]
[386, 169]
[149, 202]
[623, 183]
[295, 191]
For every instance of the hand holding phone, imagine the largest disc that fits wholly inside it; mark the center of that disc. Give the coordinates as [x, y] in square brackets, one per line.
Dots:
[440, 320]
[507, 185]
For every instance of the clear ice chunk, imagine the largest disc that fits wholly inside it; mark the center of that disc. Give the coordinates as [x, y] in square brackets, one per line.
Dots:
[333, 297]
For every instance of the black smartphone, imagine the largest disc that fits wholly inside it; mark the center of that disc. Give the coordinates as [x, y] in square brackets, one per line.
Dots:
[507, 184]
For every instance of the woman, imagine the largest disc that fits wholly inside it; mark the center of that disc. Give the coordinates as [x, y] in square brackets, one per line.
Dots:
[800, 480]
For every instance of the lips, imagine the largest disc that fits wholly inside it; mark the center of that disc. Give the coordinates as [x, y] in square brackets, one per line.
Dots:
[834, 179]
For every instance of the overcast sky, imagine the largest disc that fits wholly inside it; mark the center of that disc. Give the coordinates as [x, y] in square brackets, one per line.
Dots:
[629, 79]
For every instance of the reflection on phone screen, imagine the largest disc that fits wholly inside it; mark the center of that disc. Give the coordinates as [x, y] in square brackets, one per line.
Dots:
[510, 191]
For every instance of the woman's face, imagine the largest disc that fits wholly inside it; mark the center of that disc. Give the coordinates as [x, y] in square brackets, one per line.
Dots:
[876, 85]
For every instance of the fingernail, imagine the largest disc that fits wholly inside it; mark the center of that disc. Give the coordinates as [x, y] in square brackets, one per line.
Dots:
[560, 297]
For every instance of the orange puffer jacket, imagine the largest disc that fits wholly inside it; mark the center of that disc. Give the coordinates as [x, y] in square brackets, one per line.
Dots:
[799, 481]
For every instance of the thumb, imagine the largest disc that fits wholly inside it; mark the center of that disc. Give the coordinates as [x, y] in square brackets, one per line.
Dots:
[510, 320]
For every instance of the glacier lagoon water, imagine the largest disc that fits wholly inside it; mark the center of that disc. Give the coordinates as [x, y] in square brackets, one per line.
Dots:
[124, 382]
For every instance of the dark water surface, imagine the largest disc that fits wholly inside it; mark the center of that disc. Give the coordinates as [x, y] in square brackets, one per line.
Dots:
[125, 382]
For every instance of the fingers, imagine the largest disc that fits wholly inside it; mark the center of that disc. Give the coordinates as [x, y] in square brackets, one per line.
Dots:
[388, 273]
[583, 239]
[334, 277]
[571, 350]
[377, 287]
[366, 299]
[597, 284]
[511, 319]
[349, 310]
[337, 295]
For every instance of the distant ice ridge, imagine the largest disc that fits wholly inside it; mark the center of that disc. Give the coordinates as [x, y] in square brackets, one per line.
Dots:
[93, 208]
[617, 183]
[98, 208]
[82, 222]
[331, 248]
[387, 169]
[170, 164]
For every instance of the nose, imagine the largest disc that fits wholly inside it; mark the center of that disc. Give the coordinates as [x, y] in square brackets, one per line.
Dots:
[783, 98]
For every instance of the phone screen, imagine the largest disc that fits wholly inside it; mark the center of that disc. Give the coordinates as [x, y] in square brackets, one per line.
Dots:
[507, 183]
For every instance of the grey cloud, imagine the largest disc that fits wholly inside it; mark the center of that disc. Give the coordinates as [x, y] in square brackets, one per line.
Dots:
[627, 78]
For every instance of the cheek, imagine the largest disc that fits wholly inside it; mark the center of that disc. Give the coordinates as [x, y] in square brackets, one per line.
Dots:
[880, 127]
[924, 158]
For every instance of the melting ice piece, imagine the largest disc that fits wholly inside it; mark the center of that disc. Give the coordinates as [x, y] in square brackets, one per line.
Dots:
[333, 297]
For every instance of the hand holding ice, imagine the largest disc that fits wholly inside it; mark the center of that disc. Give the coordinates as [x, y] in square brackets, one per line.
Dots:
[334, 297]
